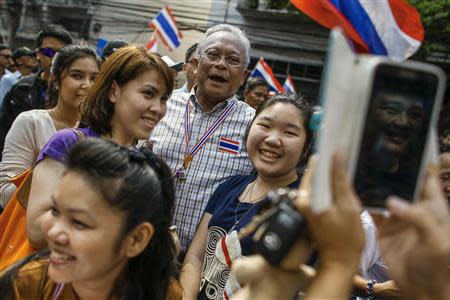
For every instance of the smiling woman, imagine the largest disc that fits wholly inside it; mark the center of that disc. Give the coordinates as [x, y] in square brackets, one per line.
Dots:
[107, 239]
[124, 104]
[73, 72]
[278, 141]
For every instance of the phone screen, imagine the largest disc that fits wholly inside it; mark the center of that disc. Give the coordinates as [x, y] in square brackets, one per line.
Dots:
[395, 133]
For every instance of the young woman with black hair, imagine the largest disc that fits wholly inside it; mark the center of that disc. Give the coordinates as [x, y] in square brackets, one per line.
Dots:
[278, 143]
[107, 238]
[73, 72]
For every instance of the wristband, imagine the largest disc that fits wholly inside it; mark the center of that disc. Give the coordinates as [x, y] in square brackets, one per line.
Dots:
[369, 289]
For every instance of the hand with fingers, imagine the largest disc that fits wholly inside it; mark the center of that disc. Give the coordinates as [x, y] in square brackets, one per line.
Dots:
[415, 242]
[338, 236]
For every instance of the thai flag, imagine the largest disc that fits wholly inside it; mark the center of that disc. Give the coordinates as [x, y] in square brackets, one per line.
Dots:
[164, 23]
[152, 45]
[263, 70]
[288, 86]
[383, 27]
[230, 146]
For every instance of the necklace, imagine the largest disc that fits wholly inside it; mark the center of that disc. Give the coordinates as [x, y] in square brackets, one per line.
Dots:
[249, 192]
[236, 221]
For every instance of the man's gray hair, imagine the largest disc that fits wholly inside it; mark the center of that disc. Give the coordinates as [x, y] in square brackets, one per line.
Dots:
[231, 29]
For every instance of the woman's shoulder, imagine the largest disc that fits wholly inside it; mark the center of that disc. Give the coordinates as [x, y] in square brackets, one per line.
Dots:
[61, 143]
[236, 180]
[30, 279]
[228, 191]
[33, 116]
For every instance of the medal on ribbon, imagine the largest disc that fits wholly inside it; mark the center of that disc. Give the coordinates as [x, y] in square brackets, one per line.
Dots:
[189, 154]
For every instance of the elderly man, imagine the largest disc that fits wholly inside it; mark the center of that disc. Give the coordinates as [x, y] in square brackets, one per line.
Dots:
[201, 135]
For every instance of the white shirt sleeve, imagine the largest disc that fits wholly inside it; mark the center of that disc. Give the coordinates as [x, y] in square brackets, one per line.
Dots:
[29, 132]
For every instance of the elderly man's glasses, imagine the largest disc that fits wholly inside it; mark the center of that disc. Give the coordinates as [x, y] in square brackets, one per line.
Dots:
[49, 52]
[214, 56]
[6, 55]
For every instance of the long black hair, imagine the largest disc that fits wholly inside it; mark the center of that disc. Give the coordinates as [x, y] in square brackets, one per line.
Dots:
[139, 184]
[62, 61]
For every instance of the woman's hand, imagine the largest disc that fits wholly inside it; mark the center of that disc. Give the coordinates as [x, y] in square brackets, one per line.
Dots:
[387, 290]
[337, 232]
[338, 236]
[415, 242]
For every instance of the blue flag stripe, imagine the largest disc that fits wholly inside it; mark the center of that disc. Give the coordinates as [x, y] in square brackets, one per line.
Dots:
[257, 73]
[228, 145]
[168, 29]
[361, 21]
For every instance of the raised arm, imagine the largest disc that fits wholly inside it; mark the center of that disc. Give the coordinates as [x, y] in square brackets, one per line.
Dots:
[46, 177]
[193, 262]
[415, 241]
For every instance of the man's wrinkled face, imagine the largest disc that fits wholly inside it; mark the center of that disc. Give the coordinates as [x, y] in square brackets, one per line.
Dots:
[220, 67]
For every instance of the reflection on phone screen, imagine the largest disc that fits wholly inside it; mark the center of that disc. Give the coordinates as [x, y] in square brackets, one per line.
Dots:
[395, 133]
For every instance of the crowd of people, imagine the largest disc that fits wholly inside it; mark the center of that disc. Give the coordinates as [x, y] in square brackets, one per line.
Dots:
[117, 184]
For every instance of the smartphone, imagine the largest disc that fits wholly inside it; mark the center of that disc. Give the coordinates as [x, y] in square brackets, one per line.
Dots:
[403, 104]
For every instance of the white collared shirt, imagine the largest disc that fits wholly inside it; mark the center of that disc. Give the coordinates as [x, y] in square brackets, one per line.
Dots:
[211, 165]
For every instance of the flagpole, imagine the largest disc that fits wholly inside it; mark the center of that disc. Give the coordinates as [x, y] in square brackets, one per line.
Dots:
[226, 12]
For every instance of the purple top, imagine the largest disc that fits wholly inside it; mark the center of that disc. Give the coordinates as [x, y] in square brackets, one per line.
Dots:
[62, 142]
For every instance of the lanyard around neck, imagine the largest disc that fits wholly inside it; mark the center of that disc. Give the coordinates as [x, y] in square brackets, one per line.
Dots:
[190, 153]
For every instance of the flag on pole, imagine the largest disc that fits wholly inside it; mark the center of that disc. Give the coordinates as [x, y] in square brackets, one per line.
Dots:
[165, 25]
[384, 27]
[152, 45]
[288, 86]
[263, 70]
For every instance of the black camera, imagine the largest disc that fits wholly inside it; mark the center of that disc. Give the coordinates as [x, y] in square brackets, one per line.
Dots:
[282, 225]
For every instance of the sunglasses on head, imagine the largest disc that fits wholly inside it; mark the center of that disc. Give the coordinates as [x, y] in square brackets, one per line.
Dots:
[49, 52]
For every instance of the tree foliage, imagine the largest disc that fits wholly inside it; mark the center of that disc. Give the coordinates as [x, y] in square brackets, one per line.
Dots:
[435, 16]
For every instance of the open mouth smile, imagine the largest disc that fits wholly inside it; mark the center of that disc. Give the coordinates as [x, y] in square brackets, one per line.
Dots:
[269, 155]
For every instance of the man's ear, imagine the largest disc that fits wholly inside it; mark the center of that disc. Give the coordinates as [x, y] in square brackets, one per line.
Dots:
[137, 240]
[183, 68]
[244, 77]
[195, 62]
[114, 92]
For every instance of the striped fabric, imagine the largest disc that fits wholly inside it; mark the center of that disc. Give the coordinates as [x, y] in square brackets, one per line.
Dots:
[210, 166]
